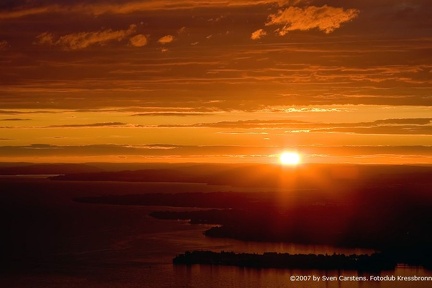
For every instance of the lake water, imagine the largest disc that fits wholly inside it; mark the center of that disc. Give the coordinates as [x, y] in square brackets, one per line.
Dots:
[71, 244]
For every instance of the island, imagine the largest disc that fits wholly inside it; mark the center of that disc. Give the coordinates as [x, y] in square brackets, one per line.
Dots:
[372, 263]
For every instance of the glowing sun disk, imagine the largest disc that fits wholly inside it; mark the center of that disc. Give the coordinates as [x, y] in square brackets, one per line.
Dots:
[290, 158]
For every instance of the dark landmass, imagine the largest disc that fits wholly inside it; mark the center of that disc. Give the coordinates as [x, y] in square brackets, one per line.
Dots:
[193, 199]
[401, 243]
[25, 168]
[305, 176]
[35, 169]
[388, 209]
[372, 263]
[213, 216]
[385, 208]
[398, 226]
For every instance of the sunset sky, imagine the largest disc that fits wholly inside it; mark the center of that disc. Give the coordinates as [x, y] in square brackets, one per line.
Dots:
[216, 80]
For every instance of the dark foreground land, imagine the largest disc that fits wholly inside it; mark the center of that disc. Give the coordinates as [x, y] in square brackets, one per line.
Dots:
[385, 208]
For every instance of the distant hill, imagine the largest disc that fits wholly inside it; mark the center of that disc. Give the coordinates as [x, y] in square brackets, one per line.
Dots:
[35, 169]
[310, 176]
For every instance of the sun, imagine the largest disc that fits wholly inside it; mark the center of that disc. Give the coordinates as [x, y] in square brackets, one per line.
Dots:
[290, 158]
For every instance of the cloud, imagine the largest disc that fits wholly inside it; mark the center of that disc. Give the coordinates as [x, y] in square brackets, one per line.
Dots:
[363, 150]
[4, 45]
[81, 40]
[128, 7]
[16, 112]
[258, 34]
[248, 124]
[201, 152]
[182, 30]
[139, 40]
[15, 119]
[311, 110]
[325, 18]
[137, 6]
[306, 71]
[26, 11]
[182, 114]
[408, 126]
[104, 124]
[166, 39]
[284, 3]
[45, 38]
[412, 121]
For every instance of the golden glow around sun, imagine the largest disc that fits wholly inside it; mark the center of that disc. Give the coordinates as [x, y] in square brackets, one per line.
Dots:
[290, 158]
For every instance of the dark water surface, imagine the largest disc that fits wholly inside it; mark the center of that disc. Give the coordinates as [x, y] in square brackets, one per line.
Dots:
[49, 240]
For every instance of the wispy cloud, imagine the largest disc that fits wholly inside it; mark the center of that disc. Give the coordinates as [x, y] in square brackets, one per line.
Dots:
[104, 124]
[311, 110]
[128, 7]
[164, 114]
[45, 38]
[409, 126]
[81, 40]
[4, 45]
[166, 39]
[29, 11]
[258, 34]
[325, 18]
[247, 124]
[14, 119]
[18, 112]
[46, 150]
[412, 121]
[417, 126]
[139, 40]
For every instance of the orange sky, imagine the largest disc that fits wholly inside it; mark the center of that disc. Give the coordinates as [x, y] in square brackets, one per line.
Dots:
[216, 81]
